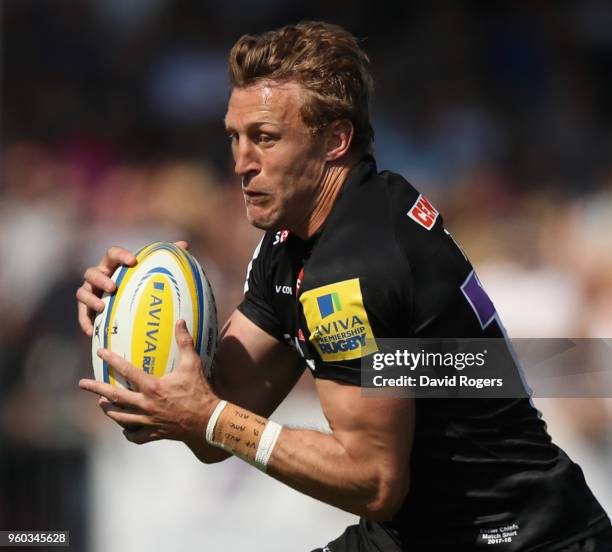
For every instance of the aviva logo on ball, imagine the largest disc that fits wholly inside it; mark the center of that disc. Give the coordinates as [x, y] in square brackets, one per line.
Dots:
[152, 335]
[338, 322]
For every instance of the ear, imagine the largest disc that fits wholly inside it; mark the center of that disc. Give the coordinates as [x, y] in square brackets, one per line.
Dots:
[339, 136]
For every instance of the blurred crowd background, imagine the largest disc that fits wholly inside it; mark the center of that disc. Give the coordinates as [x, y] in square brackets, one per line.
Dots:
[112, 134]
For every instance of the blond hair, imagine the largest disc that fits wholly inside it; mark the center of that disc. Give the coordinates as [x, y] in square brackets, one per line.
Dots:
[325, 60]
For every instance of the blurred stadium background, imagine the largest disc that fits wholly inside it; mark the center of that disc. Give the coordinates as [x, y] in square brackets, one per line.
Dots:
[111, 133]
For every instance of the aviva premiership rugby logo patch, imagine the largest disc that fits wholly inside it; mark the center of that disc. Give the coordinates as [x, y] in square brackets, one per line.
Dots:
[338, 322]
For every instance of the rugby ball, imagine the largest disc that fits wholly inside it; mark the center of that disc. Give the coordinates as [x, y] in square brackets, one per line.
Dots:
[166, 284]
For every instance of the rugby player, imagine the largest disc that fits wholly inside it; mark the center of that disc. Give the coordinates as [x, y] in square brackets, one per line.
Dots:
[349, 254]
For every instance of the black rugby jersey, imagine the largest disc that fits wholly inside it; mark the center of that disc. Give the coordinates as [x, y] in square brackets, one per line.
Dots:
[383, 266]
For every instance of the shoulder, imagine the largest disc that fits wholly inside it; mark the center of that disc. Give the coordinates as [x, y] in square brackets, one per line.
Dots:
[419, 231]
[381, 221]
[357, 271]
[357, 238]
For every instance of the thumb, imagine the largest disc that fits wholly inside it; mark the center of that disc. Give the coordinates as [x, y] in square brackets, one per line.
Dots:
[182, 244]
[183, 338]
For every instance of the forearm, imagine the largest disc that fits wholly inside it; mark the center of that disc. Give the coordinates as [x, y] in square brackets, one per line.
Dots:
[252, 369]
[314, 463]
[317, 464]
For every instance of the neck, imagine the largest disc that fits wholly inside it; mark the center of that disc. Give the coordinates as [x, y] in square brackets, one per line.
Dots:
[332, 180]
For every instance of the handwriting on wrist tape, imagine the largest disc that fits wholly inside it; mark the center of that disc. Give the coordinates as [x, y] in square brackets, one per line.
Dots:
[243, 433]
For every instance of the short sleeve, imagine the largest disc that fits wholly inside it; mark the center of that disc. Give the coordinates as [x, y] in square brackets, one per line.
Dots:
[341, 328]
[257, 305]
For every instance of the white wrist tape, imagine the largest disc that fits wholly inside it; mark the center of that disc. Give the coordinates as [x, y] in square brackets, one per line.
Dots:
[266, 444]
[212, 422]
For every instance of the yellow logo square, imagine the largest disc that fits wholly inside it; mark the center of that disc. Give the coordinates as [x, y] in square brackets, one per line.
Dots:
[338, 322]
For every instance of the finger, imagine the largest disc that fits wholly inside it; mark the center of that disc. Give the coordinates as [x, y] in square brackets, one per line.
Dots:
[125, 418]
[105, 390]
[140, 436]
[103, 402]
[182, 244]
[85, 319]
[90, 300]
[113, 393]
[140, 379]
[116, 256]
[85, 313]
[184, 340]
[99, 280]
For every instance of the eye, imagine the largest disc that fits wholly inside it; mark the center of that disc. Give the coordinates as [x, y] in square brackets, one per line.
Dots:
[265, 139]
[232, 136]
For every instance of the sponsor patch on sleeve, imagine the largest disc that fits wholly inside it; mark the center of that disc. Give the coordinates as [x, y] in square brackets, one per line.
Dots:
[338, 322]
[423, 212]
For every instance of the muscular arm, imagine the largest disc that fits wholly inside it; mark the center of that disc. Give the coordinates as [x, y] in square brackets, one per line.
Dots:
[363, 465]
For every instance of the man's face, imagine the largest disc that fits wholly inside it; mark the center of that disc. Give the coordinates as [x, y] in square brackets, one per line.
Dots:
[280, 163]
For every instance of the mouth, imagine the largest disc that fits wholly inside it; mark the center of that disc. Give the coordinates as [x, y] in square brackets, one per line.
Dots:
[255, 197]
[254, 193]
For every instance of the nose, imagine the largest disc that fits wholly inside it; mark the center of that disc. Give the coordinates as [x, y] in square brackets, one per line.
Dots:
[246, 160]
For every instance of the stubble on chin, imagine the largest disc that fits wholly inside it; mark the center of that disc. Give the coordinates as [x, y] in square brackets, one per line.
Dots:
[262, 223]
[258, 224]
